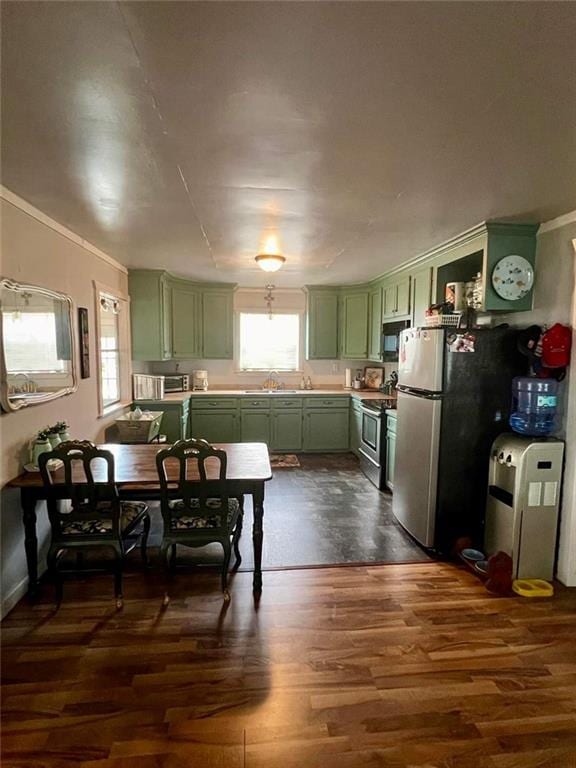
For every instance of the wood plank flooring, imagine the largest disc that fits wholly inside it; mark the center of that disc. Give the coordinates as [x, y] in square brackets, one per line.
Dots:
[396, 665]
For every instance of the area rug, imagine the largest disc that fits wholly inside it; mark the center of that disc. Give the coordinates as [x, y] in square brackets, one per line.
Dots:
[284, 461]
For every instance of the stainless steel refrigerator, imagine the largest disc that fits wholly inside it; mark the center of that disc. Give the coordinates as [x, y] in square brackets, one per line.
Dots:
[454, 396]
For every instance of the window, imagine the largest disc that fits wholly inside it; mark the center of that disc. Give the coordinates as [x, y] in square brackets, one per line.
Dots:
[109, 349]
[269, 343]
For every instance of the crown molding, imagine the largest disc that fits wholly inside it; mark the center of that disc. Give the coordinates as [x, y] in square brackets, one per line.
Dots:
[30, 210]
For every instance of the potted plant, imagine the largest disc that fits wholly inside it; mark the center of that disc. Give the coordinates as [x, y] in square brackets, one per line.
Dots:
[63, 433]
[40, 445]
[53, 436]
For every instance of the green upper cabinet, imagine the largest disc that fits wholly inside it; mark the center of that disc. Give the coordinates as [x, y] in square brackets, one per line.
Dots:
[478, 252]
[150, 310]
[507, 240]
[375, 323]
[322, 324]
[396, 299]
[186, 321]
[421, 295]
[218, 324]
[177, 319]
[354, 325]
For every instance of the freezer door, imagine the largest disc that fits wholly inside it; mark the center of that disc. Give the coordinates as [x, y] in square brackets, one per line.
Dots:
[416, 468]
[421, 359]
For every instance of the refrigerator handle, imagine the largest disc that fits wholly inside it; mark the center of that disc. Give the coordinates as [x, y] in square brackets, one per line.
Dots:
[419, 393]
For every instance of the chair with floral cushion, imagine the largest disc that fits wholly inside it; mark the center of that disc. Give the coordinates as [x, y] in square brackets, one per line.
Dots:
[86, 514]
[196, 509]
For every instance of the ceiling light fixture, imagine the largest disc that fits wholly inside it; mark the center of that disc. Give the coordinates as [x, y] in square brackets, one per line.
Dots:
[270, 262]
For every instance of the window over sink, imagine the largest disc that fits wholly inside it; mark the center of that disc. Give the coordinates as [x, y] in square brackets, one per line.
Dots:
[269, 342]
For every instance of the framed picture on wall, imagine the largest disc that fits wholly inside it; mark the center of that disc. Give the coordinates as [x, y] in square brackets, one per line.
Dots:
[373, 378]
[84, 342]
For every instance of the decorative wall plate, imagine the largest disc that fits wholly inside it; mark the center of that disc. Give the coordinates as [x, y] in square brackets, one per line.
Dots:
[513, 277]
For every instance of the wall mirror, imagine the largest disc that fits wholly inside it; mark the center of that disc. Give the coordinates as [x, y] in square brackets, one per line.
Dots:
[38, 350]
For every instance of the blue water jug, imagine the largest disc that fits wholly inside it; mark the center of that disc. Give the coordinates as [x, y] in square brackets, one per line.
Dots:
[534, 404]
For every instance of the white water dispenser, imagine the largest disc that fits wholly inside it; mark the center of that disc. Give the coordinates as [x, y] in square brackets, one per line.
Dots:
[522, 503]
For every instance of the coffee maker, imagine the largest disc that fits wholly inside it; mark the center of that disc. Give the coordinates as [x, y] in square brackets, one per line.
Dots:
[200, 381]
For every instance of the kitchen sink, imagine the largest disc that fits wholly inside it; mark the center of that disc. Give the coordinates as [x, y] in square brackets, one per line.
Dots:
[271, 391]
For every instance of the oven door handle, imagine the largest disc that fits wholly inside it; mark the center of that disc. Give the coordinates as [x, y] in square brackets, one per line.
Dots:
[371, 412]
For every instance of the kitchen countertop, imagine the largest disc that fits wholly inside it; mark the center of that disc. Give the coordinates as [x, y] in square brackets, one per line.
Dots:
[360, 394]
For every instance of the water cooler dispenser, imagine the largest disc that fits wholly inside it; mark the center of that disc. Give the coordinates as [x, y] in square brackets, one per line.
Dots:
[522, 504]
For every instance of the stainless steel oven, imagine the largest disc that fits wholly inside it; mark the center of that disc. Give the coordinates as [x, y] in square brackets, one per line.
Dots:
[372, 444]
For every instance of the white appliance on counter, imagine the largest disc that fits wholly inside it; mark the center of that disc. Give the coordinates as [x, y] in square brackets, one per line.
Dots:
[522, 505]
[147, 387]
[453, 401]
[200, 381]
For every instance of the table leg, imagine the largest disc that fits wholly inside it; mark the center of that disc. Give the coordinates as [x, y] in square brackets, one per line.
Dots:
[257, 536]
[28, 502]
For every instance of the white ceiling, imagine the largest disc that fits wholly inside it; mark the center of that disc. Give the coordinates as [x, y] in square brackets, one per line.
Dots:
[179, 135]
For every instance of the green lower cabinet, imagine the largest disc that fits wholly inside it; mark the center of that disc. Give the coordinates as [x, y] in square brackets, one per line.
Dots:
[287, 430]
[255, 426]
[390, 452]
[216, 426]
[175, 421]
[355, 428]
[326, 429]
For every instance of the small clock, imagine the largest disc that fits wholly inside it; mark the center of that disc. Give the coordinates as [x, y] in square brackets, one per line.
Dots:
[513, 277]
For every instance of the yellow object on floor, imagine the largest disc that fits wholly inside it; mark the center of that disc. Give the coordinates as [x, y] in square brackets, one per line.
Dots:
[533, 588]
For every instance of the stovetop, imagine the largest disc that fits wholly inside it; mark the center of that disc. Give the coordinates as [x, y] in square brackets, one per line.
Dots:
[377, 404]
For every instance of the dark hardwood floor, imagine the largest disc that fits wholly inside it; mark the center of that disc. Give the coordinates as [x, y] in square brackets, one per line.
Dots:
[395, 665]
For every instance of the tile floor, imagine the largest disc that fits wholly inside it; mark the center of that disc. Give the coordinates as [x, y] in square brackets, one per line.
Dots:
[324, 513]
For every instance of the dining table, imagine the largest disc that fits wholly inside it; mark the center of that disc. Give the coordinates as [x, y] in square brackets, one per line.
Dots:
[136, 476]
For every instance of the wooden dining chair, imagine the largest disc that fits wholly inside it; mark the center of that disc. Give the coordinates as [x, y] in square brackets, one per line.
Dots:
[197, 510]
[94, 516]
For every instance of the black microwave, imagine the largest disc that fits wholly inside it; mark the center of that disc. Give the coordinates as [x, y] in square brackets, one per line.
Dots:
[391, 341]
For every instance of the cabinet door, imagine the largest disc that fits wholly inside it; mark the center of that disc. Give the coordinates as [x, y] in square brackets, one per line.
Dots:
[217, 325]
[390, 459]
[355, 430]
[215, 426]
[186, 322]
[403, 297]
[173, 424]
[322, 325]
[255, 426]
[326, 430]
[389, 301]
[375, 315]
[150, 315]
[355, 326]
[421, 295]
[287, 430]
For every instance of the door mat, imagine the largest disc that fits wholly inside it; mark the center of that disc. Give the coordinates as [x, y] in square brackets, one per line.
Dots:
[284, 461]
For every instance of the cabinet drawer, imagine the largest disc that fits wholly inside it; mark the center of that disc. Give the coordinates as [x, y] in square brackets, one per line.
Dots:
[326, 402]
[255, 403]
[206, 403]
[282, 403]
[356, 404]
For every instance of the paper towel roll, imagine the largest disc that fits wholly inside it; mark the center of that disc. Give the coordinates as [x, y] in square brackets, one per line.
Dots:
[348, 379]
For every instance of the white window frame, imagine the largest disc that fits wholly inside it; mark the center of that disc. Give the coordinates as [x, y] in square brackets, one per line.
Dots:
[259, 311]
[124, 357]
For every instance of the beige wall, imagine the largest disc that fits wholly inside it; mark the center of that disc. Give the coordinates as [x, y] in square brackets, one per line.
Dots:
[35, 252]
[555, 301]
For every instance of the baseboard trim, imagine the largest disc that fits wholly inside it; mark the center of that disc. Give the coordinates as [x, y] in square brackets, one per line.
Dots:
[12, 599]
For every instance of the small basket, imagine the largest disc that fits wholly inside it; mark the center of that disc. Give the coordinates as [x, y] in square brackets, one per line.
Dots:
[139, 430]
[443, 321]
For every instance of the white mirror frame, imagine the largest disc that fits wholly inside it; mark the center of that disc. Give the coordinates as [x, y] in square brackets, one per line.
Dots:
[5, 402]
